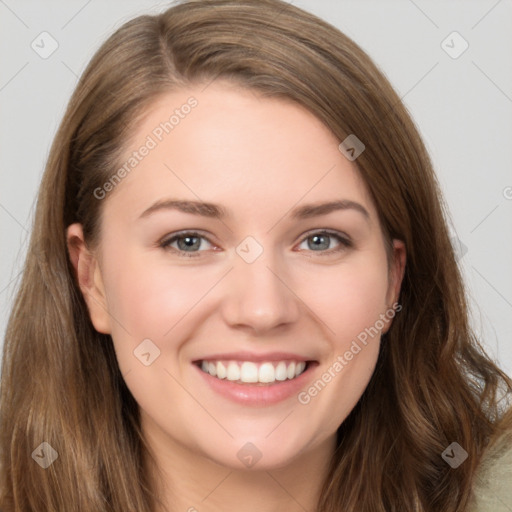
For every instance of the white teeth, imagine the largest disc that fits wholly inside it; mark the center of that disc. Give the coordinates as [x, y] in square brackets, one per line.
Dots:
[290, 372]
[233, 371]
[250, 372]
[267, 373]
[281, 371]
[221, 371]
[298, 369]
[212, 369]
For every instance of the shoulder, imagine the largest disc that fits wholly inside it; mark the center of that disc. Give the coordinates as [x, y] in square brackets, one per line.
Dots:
[492, 487]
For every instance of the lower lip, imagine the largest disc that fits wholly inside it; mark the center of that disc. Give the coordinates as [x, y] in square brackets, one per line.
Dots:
[258, 395]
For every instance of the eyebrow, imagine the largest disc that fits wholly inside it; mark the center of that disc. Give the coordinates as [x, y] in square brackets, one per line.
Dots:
[218, 212]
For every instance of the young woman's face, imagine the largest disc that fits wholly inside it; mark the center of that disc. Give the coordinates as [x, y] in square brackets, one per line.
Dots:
[241, 246]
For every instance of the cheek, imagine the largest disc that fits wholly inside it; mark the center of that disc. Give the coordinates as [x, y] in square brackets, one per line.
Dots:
[147, 300]
[152, 302]
[338, 302]
[158, 301]
[350, 298]
[351, 309]
[351, 302]
[150, 299]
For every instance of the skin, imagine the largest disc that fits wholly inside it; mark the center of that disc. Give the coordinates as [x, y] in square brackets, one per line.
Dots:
[258, 158]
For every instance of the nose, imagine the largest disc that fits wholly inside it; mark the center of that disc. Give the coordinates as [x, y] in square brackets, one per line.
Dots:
[259, 296]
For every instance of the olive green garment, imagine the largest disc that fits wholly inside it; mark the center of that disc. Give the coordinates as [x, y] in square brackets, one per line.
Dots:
[492, 488]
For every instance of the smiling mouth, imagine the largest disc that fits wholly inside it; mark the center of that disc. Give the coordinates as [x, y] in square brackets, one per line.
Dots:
[249, 372]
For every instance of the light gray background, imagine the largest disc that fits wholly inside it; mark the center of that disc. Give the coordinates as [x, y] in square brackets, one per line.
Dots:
[462, 106]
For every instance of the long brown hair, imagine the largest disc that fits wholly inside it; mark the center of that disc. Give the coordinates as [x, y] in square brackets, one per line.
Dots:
[61, 384]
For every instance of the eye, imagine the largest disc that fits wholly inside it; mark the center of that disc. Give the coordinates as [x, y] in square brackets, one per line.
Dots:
[321, 240]
[188, 243]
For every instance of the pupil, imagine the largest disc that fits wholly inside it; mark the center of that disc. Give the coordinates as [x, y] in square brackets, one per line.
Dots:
[319, 238]
[189, 241]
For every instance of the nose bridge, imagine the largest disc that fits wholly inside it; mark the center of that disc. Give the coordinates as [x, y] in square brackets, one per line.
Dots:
[259, 297]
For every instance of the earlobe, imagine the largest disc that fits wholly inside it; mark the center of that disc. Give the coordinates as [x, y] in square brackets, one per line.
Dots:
[88, 276]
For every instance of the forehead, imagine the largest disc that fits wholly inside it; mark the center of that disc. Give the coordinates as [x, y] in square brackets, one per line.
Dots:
[230, 145]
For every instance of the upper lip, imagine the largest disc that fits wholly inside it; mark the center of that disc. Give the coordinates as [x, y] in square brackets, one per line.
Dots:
[254, 357]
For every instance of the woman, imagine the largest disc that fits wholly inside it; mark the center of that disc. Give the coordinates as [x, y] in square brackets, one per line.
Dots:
[240, 290]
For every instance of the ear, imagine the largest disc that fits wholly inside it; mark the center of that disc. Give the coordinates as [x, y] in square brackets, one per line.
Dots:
[88, 276]
[396, 275]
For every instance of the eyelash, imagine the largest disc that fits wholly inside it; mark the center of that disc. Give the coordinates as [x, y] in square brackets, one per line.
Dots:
[345, 243]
